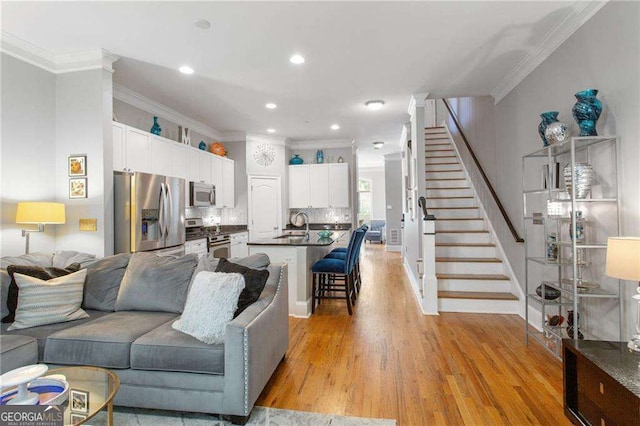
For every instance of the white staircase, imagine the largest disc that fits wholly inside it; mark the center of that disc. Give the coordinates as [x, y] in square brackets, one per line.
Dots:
[471, 276]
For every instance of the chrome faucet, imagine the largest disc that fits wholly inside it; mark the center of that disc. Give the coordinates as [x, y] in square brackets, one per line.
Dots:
[306, 216]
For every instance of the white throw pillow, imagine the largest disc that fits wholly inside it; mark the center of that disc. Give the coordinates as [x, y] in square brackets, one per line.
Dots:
[49, 302]
[212, 300]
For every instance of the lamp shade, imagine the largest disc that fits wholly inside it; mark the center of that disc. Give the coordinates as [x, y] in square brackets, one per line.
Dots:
[623, 258]
[40, 212]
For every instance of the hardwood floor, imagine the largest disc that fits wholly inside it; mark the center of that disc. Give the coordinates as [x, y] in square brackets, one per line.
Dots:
[390, 361]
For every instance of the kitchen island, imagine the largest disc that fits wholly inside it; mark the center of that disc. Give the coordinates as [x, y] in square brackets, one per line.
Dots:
[299, 253]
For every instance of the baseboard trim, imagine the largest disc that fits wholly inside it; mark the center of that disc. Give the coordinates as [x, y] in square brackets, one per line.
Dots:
[302, 309]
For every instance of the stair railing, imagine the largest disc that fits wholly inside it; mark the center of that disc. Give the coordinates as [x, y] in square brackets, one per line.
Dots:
[429, 290]
[512, 228]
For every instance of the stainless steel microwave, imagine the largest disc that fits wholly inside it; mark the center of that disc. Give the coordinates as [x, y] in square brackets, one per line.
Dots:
[202, 194]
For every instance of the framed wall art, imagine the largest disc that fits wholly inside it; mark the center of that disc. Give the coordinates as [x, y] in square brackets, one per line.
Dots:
[78, 188]
[78, 165]
[78, 401]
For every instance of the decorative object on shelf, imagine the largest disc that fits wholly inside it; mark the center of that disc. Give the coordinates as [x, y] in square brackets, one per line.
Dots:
[554, 177]
[580, 221]
[78, 165]
[547, 118]
[552, 247]
[550, 293]
[571, 325]
[319, 157]
[184, 136]
[78, 188]
[557, 132]
[555, 320]
[582, 175]
[340, 160]
[582, 285]
[264, 154]
[218, 149]
[295, 160]
[555, 208]
[325, 233]
[202, 146]
[297, 219]
[587, 111]
[623, 255]
[155, 129]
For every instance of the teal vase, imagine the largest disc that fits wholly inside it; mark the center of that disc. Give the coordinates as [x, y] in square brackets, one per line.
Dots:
[587, 111]
[155, 129]
[547, 118]
[295, 160]
[319, 157]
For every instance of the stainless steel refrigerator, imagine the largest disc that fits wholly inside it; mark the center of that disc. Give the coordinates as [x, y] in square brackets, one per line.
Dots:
[149, 213]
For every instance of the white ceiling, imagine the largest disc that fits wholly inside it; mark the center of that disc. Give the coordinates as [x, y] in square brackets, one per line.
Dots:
[355, 51]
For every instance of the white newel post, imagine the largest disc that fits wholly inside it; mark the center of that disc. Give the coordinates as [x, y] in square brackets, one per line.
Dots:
[429, 280]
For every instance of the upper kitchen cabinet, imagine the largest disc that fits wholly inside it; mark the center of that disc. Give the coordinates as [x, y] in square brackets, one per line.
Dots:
[200, 166]
[169, 158]
[227, 198]
[299, 187]
[339, 185]
[119, 138]
[130, 149]
[318, 186]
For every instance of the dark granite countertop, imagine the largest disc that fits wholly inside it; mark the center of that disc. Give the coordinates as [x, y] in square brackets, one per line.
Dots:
[614, 358]
[296, 239]
[228, 229]
[320, 226]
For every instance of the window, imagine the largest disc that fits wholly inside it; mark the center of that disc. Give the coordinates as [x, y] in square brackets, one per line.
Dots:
[364, 201]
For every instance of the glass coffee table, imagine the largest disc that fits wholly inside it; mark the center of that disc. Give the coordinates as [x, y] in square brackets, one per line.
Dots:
[90, 390]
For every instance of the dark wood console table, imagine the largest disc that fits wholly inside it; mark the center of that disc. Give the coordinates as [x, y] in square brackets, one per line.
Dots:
[601, 383]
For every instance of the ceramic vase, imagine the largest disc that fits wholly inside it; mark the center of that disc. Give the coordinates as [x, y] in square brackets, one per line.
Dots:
[155, 129]
[547, 118]
[296, 160]
[587, 111]
[583, 177]
[579, 228]
[570, 325]
[319, 157]
[202, 146]
[550, 293]
[557, 132]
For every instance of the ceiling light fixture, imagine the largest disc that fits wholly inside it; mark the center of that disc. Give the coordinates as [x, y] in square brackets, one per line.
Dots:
[297, 59]
[374, 105]
[335, 127]
[185, 69]
[271, 130]
[203, 24]
[271, 106]
[378, 145]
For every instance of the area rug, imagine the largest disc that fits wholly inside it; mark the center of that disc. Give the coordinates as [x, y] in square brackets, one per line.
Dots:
[259, 416]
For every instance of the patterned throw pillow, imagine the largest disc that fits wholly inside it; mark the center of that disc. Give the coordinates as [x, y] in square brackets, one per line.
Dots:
[254, 279]
[49, 302]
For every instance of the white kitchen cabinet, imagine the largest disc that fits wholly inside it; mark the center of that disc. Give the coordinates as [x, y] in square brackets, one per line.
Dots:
[119, 140]
[318, 186]
[217, 177]
[299, 187]
[228, 184]
[137, 147]
[180, 160]
[206, 171]
[160, 150]
[339, 185]
[194, 165]
[238, 244]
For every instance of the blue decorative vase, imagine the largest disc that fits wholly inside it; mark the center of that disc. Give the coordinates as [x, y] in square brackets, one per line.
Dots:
[202, 146]
[296, 160]
[587, 111]
[155, 129]
[319, 157]
[547, 118]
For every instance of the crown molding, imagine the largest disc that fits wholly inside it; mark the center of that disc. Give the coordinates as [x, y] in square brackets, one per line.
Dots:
[581, 12]
[140, 101]
[416, 101]
[321, 144]
[56, 63]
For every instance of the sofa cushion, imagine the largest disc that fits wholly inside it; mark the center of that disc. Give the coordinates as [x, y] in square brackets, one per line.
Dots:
[64, 258]
[254, 282]
[42, 332]
[31, 259]
[103, 282]
[48, 302]
[105, 342]
[17, 351]
[167, 349]
[43, 273]
[156, 283]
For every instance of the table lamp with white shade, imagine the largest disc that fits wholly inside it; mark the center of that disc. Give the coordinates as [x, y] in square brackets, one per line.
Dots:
[39, 213]
[623, 262]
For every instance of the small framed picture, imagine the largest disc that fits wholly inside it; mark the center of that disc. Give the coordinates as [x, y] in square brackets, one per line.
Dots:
[78, 188]
[79, 401]
[78, 165]
[76, 419]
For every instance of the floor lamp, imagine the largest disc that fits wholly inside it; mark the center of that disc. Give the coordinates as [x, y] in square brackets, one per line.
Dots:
[38, 213]
[623, 262]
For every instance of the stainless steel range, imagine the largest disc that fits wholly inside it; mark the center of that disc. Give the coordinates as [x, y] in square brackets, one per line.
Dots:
[202, 240]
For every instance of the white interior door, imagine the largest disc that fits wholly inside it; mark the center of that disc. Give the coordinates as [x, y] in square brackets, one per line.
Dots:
[264, 207]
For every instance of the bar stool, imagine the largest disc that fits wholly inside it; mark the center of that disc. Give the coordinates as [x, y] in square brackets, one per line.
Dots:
[335, 254]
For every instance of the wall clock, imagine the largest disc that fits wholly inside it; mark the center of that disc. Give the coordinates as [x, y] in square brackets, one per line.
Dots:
[264, 154]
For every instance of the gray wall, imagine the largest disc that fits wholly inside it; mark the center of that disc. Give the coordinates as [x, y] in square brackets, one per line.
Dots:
[603, 54]
[378, 192]
[393, 191]
[27, 149]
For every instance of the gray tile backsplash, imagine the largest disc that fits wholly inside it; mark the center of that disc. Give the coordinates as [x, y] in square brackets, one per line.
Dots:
[237, 216]
[324, 215]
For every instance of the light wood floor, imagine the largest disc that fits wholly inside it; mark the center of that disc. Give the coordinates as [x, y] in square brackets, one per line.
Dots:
[390, 361]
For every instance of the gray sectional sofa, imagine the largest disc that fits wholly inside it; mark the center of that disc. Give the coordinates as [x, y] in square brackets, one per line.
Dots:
[162, 368]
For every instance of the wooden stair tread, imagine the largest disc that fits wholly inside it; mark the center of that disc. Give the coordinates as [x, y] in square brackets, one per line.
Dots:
[452, 208]
[484, 277]
[449, 198]
[446, 179]
[465, 245]
[475, 295]
[439, 164]
[460, 218]
[450, 187]
[438, 150]
[469, 259]
[462, 231]
[443, 171]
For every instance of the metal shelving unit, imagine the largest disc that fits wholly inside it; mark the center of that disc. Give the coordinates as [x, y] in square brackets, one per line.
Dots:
[564, 272]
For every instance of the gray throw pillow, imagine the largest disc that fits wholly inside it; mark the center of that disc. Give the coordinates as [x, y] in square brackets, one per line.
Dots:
[156, 283]
[254, 282]
[103, 282]
[255, 261]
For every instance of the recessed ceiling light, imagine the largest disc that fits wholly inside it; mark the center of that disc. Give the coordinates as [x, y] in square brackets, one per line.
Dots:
[374, 105]
[297, 59]
[378, 145]
[335, 127]
[185, 69]
[203, 24]
[271, 130]
[271, 106]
